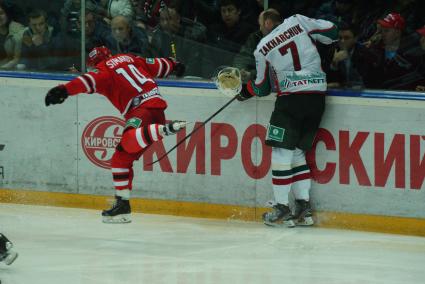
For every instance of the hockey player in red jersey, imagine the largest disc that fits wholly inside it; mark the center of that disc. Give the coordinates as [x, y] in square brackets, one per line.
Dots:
[127, 81]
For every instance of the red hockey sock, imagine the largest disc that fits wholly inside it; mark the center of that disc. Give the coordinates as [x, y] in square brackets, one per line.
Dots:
[122, 169]
[137, 139]
[122, 178]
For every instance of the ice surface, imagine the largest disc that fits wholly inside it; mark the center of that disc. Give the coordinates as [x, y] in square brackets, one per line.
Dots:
[72, 246]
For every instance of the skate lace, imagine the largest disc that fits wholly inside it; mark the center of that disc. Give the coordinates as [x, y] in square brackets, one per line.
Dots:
[115, 204]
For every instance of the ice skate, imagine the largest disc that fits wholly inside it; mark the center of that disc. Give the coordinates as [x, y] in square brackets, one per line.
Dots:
[120, 212]
[303, 215]
[7, 255]
[173, 127]
[280, 216]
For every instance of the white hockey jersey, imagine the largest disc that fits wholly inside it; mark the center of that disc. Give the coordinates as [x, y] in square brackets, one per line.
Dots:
[288, 58]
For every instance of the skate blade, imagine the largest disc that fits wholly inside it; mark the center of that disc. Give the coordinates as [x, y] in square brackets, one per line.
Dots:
[119, 219]
[11, 257]
[306, 221]
[287, 224]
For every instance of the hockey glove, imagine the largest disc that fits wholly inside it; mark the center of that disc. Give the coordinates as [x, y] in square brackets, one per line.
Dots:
[244, 94]
[179, 67]
[56, 95]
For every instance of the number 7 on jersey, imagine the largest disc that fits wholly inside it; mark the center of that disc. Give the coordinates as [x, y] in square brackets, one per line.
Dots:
[294, 52]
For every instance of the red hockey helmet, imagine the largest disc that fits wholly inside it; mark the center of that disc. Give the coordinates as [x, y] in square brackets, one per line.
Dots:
[97, 55]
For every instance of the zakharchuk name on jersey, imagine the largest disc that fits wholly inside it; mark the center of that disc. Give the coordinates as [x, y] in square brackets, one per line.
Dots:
[304, 80]
[281, 38]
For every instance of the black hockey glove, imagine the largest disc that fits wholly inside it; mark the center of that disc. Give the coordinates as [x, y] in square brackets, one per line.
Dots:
[179, 67]
[244, 94]
[56, 95]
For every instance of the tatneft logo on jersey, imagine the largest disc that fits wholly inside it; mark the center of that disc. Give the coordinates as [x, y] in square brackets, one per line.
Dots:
[297, 80]
[99, 139]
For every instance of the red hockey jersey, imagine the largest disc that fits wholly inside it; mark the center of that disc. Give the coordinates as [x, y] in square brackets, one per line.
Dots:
[126, 80]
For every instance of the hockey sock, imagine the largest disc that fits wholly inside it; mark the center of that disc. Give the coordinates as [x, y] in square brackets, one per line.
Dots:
[123, 193]
[122, 169]
[137, 139]
[301, 176]
[122, 179]
[281, 174]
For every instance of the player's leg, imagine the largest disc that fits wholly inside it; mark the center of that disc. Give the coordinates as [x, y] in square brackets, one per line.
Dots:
[281, 183]
[7, 255]
[282, 135]
[143, 128]
[146, 128]
[122, 175]
[313, 106]
[122, 163]
[301, 188]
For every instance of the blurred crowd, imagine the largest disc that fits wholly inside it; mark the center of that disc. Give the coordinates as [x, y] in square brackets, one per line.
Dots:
[381, 43]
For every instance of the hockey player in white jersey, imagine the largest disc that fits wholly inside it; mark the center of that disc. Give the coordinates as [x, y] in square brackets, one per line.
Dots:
[288, 60]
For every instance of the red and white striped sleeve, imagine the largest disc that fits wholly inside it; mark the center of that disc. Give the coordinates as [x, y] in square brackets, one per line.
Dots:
[88, 83]
[159, 67]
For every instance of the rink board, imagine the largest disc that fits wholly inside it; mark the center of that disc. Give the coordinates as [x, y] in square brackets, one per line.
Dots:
[368, 160]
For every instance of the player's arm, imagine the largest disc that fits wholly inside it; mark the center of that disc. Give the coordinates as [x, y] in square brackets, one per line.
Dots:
[162, 67]
[261, 86]
[320, 30]
[87, 83]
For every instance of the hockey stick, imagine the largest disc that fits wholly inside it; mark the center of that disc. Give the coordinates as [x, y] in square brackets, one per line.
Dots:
[196, 129]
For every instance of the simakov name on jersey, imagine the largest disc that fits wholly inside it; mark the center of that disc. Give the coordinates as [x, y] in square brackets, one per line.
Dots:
[281, 38]
[111, 63]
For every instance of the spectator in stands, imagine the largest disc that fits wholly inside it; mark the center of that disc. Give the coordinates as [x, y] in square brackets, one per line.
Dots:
[370, 12]
[230, 33]
[16, 9]
[51, 8]
[338, 11]
[139, 17]
[226, 37]
[70, 12]
[69, 15]
[37, 42]
[10, 39]
[96, 31]
[151, 10]
[392, 64]
[348, 64]
[125, 38]
[411, 11]
[67, 44]
[245, 60]
[180, 38]
[66, 56]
